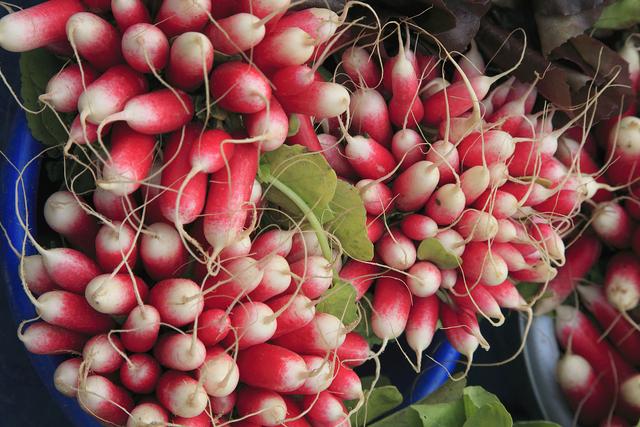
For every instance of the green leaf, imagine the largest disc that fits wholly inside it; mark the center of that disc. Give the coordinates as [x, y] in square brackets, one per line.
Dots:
[431, 249]
[475, 397]
[340, 300]
[490, 415]
[364, 328]
[306, 174]
[537, 424]
[349, 224]
[450, 391]
[294, 125]
[441, 414]
[620, 14]
[36, 69]
[528, 290]
[381, 400]
[367, 381]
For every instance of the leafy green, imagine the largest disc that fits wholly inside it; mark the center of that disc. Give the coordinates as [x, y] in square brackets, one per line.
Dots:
[537, 424]
[36, 69]
[364, 328]
[441, 414]
[448, 392]
[476, 397]
[489, 415]
[381, 400]
[431, 249]
[349, 223]
[294, 125]
[340, 301]
[620, 14]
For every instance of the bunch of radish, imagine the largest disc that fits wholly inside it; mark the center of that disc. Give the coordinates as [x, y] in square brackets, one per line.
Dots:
[186, 307]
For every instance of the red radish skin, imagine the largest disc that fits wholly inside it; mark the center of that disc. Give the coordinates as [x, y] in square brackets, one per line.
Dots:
[223, 405]
[486, 148]
[272, 367]
[43, 338]
[145, 48]
[67, 375]
[449, 278]
[511, 255]
[276, 279]
[102, 354]
[375, 228]
[81, 136]
[64, 89]
[582, 388]
[507, 296]
[324, 333]
[306, 135]
[477, 300]
[320, 377]
[477, 226]
[213, 326]
[413, 187]
[406, 147]
[140, 330]
[361, 67]
[181, 394]
[614, 421]
[423, 279]
[293, 80]
[474, 181]
[333, 151]
[360, 274]
[454, 100]
[161, 251]
[294, 412]
[298, 313]
[630, 404]
[396, 250]
[251, 323]
[369, 115]
[322, 100]
[354, 351]
[115, 294]
[324, 408]
[190, 61]
[391, 305]
[161, 111]
[319, 23]
[140, 373]
[176, 16]
[101, 99]
[452, 241]
[446, 158]
[421, 324]
[406, 114]
[239, 278]
[498, 203]
[272, 242]
[480, 264]
[346, 383]
[104, 400]
[270, 125]
[418, 227]
[64, 214]
[304, 244]
[178, 301]
[95, 40]
[377, 197]
[613, 225]
[313, 275]
[263, 407]
[259, 8]
[129, 12]
[148, 413]
[177, 155]
[116, 247]
[622, 281]
[236, 33]
[179, 351]
[73, 312]
[240, 88]
[456, 327]
[282, 48]
[226, 209]
[48, 17]
[202, 420]
[34, 274]
[446, 204]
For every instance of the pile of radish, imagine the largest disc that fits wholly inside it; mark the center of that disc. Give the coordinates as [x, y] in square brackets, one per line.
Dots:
[184, 296]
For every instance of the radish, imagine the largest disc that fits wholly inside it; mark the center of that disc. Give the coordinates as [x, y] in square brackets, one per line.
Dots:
[115, 294]
[178, 301]
[511, 255]
[64, 89]
[284, 47]
[630, 402]
[270, 126]
[612, 224]
[304, 244]
[272, 242]
[116, 247]
[423, 279]
[179, 351]
[446, 158]
[140, 373]
[102, 354]
[240, 88]
[446, 204]
[181, 394]
[333, 151]
[583, 389]
[219, 374]
[359, 65]
[375, 228]
[377, 197]
[274, 9]
[354, 351]
[360, 274]
[299, 311]
[623, 146]
[66, 216]
[346, 383]
[239, 277]
[477, 226]
[271, 367]
[312, 275]
[473, 182]
[35, 275]
[140, 330]
[263, 407]
[471, 63]
[190, 60]
[95, 40]
[236, 33]
[622, 281]
[161, 111]
[49, 17]
[161, 252]
[321, 374]
[500, 204]
[306, 135]
[145, 48]
[620, 331]
[182, 201]
[319, 23]
[396, 250]
[324, 409]
[43, 338]
[66, 376]
[477, 299]
[614, 421]
[178, 16]
[486, 148]
[222, 405]
[391, 305]
[129, 12]
[213, 326]
[421, 325]
[294, 412]
[460, 329]
[81, 136]
[321, 100]
[406, 146]
[480, 264]
[251, 323]
[104, 400]
[324, 333]
[369, 115]
[418, 227]
[202, 420]
[276, 279]
[73, 312]
[147, 413]
[452, 241]
[507, 296]
[448, 278]
[413, 187]
[101, 99]
[506, 230]
[226, 209]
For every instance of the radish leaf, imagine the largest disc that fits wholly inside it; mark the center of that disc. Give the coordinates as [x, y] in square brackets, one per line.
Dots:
[431, 249]
[381, 400]
[340, 301]
[441, 414]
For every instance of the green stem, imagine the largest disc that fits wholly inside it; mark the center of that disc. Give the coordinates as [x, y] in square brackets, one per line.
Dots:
[308, 213]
